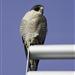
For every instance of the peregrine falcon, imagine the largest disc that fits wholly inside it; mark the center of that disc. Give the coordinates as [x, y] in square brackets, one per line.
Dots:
[33, 30]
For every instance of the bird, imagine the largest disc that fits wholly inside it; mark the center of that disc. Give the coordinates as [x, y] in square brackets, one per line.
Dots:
[33, 29]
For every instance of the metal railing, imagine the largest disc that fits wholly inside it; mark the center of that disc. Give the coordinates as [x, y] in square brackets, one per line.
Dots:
[52, 52]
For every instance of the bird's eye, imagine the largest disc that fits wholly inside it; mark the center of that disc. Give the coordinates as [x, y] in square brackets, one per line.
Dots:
[37, 8]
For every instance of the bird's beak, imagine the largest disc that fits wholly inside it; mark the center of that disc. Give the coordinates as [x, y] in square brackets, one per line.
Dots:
[42, 9]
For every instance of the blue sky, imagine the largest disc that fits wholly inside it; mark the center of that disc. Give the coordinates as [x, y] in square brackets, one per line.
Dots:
[60, 18]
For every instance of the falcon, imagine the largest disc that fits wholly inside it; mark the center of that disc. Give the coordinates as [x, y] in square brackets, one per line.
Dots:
[33, 31]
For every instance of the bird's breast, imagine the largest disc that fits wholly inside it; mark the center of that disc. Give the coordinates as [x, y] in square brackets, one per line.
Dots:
[31, 15]
[31, 25]
[32, 21]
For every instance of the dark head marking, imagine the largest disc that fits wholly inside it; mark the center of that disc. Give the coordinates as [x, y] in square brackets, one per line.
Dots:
[37, 7]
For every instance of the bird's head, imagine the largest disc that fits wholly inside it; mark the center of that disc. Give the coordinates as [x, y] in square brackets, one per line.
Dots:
[38, 8]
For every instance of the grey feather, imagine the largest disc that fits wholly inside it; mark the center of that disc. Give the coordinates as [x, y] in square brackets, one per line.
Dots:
[33, 30]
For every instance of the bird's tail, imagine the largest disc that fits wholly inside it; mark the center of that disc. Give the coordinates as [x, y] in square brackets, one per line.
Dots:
[33, 64]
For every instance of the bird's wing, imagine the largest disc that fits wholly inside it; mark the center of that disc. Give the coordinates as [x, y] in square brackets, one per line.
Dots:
[39, 39]
[42, 30]
[22, 28]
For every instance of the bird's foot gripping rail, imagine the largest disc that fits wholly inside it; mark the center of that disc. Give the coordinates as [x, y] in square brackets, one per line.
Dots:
[51, 52]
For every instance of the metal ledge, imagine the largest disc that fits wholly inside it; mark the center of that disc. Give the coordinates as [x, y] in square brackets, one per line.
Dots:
[51, 73]
[52, 51]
